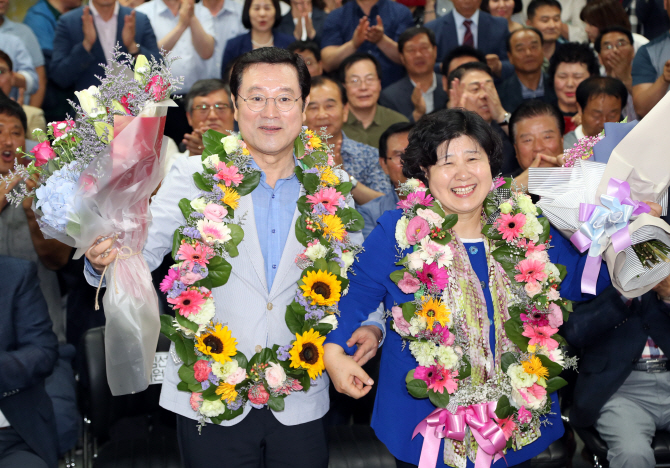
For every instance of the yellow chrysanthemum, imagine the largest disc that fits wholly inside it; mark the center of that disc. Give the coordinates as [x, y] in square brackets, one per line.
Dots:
[328, 177]
[227, 392]
[322, 287]
[245, 152]
[217, 342]
[534, 367]
[433, 311]
[309, 133]
[333, 227]
[307, 352]
[315, 141]
[230, 196]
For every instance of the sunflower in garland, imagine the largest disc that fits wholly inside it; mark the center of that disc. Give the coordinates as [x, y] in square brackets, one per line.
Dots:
[227, 392]
[307, 352]
[433, 311]
[322, 287]
[328, 177]
[217, 342]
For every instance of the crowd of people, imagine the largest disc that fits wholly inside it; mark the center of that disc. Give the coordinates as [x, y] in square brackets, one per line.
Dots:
[533, 78]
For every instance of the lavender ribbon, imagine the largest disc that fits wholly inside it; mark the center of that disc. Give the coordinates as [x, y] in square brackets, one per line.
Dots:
[605, 224]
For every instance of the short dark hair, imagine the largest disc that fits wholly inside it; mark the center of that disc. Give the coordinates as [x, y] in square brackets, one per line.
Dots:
[411, 33]
[605, 13]
[312, 46]
[573, 52]
[598, 86]
[13, 109]
[203, 88]
[445, 125]
[535, 108]
[461, 51]
[598, 44]
[518, 6]
[323, 79]
[462, 70]
[273, 56]
[525, 28]
[246, 20]
[396, 128]
[5, 57]
[358, 57]
[535, 4]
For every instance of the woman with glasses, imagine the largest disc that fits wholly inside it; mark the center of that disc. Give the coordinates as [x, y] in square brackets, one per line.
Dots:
[260, 17]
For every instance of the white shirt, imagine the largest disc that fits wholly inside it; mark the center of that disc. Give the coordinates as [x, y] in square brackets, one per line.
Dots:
[225, 25]
[428, 95]
[190, 65]
[304, 29]
[460, 27]
[3, 420]
[579, 132]
[106, 30]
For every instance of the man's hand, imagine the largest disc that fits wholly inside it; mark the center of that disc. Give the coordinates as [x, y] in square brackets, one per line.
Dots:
[186, 12]
[375, 33]
[620, 65]
[360, 32]
[193, 142]
[493, 100]
[309, 27]
[656, 209]
[419, 103]
[128, 34]
[494, 63]
[28, 201]
[456, 94]
[346, 374]
[88, 28]
[101, 253]
[337, 154]
[366, 338]
[666, 72]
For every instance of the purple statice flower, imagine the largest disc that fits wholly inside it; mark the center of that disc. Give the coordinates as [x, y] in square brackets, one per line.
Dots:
[201, 270]
[191, 232]
[314, 315]
[235, 405]
[197, 215]
[177, 288]
[213, 378]
[217, 192]
[253, 405]
[283, 352]
[337, 250]
[343, 204]
[319, 209]
[312, 170]
[205, 384]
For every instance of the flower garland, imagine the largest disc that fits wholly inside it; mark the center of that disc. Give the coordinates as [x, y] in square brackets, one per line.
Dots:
[219, 378]
[447, 330]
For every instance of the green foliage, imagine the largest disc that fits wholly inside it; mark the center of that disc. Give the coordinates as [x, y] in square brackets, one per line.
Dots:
[513, 329]
[219, 271]
[503, 408]
[276, 403]
[298, 148]
[408, 310]
[417, 388]
[397, 275]
[176, 242]
[553, 368]
[555, 383]
[441, 400]
[184, 322]
[545, 231]
[185, 207]
[449, 221]
[249, 183]
[507, 360]
[201, 183]
[344, 188]
[310, 182]
[295, 317]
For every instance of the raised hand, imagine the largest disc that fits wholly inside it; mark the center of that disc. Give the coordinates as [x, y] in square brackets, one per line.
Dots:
[494, 63]
[88, 28]
[128, 33]
[419, 103]
[186, 12]
[375, 33]
[360, 32]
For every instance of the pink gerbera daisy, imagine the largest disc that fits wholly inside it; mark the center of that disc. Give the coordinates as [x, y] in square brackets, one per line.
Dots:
[188, 302]
[170, 278]
[508, 426]
[434, 277]
[329, 197]
[530, 247]
[510, 226]
[443, 379]
[212, 232]
[229, 175]
[198, 253]
[535, 318]
[416, 198]
[530, 271]
[541, 336]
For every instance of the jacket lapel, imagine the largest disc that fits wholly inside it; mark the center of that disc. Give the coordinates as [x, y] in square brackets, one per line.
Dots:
[250, 243]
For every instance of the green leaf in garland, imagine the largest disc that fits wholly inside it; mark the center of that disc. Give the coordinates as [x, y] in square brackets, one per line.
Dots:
[438, 210]
[410, 376]
[185, 207]
[334, 268]
[219, 271]
[310, 182]
[176, 242]
[449, 222]
[491, 233]
[211, 140]
[555, 383]
[322, 328]
[417, 388]
[201, 183]
[357, 222]
[545, 230]
[186, 375]
[298, 148]
[276, 403]
[299, 173]
[553, 368]
[344, 188]
[236, 233]
[180, 349]
[465, 370]
[241, 359]
[408, 310]
[183, 387]
[514, 328]
[503, 408]
[305, 381]
[397, 275]
[562, 270]
[167, 328]
[210, 393]
[250, 182]
[319, 264]
[303, 205]
[301, 233]
[441, 400]
[507, 360]
[295, 317]
[186, 323]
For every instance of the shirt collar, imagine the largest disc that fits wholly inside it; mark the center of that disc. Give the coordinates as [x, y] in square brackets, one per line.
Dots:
[432, 86]
[161, 8]
[460, 18]
[252, 163]
[95, 12]
[579, 132]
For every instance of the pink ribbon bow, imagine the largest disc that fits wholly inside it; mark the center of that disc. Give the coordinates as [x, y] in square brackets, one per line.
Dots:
[441, 424]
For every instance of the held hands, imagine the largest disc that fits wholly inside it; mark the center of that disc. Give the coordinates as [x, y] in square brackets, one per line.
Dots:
[309, 27]
[419, 103]
[346, 374]
[193, 141]
[186, 12]
[365, 32]
[375, 33]
[666, 72]
[128, 33]
[366, 338]
[88, 28]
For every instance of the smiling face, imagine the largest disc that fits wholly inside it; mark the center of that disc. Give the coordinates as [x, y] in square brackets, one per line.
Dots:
[566, 79]
[12, 136]
[325, 109]
[537, 135]
[220, 119]
[419, 55]
[362, 84]
[548, 20]
[502, 8]
[262, 15]
[461, 177]
[269, 131]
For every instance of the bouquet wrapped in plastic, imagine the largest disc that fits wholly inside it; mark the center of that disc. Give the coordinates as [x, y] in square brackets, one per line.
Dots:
[95, 177]
[598, 202]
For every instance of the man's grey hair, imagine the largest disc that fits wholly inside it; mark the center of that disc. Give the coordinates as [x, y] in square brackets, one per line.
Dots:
[203, 88]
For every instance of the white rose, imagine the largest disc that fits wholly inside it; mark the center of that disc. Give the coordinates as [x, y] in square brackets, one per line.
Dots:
[429, 215]
[207, 312]
[275, 375]
[526, 205]
[541, 256]
[519, 377]
[348, 259]
[88, 100]
[212, 408]
[532, 229]
[230, 143]
[199, 204]
[330, 319]
[400, 235]
[447, 357]
[424, 352]
[316, 251]
[212, 161]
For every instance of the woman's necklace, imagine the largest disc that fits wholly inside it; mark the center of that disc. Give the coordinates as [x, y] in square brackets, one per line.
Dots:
[258, 45]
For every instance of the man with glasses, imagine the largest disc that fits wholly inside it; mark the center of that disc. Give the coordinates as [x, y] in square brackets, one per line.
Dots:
[208, 107]
[367, 120]
[269, 89]
[420, 92]
[304, 21]
[616, 52]
[311, 54]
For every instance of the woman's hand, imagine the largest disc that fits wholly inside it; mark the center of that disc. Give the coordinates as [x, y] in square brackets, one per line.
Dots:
[101, 253]
[366, 338]
[347, 375]
[656, 209]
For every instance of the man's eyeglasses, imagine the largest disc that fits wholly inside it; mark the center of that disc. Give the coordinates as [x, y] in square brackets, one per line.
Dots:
[357, 82]
[257, 102]
[204, 109]
[617, 45]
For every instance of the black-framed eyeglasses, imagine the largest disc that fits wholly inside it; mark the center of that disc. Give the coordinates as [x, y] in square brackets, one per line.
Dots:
[257, 102]
[204, 109]
[617, 45]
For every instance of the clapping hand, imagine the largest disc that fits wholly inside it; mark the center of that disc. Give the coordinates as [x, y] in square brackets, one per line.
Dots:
[88, 28]
[128, 33]
[375, 33]
[419, 103]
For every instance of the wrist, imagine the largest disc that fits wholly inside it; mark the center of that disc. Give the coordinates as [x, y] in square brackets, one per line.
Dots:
[504, 119]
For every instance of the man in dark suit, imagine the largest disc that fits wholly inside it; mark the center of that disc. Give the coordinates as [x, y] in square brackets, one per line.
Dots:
[304, 22]
[623, 385]
[466, 24]
[85, 38]
[28, 352]
[524, 49]
[420, 92]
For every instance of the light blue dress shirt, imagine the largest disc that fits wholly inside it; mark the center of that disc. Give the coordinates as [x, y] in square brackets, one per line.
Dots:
[226, 24]
[21, 61]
